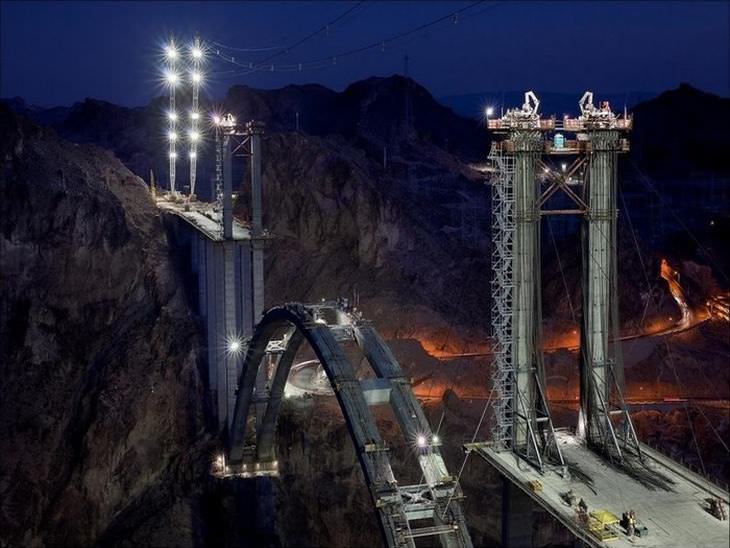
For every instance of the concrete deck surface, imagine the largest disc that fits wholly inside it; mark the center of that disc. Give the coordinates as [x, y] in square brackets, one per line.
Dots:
[668, 499]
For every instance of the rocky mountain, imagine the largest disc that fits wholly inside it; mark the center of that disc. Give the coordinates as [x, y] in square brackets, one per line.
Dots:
[681, 132]
[102, 403]
[105, 437]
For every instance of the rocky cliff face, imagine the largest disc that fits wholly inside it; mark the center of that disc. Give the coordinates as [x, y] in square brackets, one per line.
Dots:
[102, 403]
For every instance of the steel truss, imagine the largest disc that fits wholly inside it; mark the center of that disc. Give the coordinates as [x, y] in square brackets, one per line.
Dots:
[325, 327]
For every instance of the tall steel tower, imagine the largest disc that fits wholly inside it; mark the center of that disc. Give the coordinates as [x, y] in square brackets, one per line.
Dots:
[196, 79]
[172, 79]
[601, 364]
[522, 418]
[522, 421]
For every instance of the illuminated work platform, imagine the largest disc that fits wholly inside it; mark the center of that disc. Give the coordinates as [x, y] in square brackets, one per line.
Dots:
[669, 500]
[201, 216]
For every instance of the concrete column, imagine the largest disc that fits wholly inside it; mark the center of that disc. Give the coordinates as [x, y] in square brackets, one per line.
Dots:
[211, 320]
[246, 291]
[257, 270]
[219, 328]
[517, 519]
[202, 275]
[231, 326]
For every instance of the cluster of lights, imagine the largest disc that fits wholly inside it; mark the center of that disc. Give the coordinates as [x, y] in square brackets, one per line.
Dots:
[179, 63]
[422, 441]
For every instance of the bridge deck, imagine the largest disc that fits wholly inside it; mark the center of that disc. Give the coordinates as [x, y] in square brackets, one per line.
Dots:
[200, 216]
[668, 499]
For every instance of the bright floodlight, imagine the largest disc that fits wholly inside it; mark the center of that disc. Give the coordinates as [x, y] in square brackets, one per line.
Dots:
[216, 119]
[193, 155]
[194, 136]
[563, 166]
[234, 346]
[173, 155]
[421, 441]
[171, 52]
[172, 136]
[489, 111]
[197, 53]
[172, 115]
[196, 77]
[194, 116]
[171, 78]
[435, 439]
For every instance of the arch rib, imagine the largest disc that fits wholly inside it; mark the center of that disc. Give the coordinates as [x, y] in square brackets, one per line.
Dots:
[394, 505]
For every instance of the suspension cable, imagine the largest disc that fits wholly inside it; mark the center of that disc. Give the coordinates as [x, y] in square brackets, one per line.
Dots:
[466, 457]
[332, 59]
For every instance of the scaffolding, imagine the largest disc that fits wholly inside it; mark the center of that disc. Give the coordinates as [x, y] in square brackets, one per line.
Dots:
[503, 230]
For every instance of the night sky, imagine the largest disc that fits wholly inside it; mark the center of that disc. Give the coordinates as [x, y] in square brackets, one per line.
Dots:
[61, 52]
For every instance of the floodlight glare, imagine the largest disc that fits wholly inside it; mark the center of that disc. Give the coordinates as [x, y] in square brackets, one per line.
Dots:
[197, 53]
[197, 77]
[194, 116]
[171, 78]
[435, 439]
[216, 119]
[193, 155]
[173, 155]
[489, 111]
[421, 441]
[171, 52]
[194, 136]
[234, 346]
[172, 115]
[172, 135]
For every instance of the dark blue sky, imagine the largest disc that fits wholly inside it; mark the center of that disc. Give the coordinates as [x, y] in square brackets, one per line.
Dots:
[60, 52]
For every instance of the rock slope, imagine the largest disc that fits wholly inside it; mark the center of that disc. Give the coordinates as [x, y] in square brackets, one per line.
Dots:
[100, 395]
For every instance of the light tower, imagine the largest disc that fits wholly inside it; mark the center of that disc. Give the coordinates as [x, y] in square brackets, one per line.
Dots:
[196, 79]
[172, 79]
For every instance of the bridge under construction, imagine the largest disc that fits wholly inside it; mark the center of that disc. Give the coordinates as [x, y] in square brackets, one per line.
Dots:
[585, 478]
[597, 478]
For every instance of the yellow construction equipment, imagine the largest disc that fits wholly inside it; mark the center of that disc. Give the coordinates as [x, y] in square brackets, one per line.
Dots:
[600, 525]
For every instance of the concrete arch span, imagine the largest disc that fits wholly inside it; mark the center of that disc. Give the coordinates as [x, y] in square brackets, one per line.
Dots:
[324, 327]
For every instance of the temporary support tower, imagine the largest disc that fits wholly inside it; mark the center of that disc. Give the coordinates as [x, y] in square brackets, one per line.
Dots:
[522, 419]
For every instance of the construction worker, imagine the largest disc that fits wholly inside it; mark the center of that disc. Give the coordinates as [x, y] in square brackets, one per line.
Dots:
[582, 505]
[631, 527]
